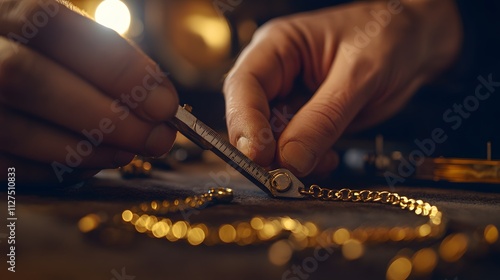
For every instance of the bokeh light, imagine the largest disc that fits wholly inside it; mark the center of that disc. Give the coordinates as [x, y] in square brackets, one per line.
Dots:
[280, 253]
[491, 234]
[213, 30]
[399, 269]
[227, 233]
[196, 236]
[352, 249]
[341, 235]
[424, 261]
[88, 223]
[113, 14]
[453, 247]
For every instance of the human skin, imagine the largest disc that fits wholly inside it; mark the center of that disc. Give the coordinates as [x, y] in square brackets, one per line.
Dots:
[350, 84]
[67, 78]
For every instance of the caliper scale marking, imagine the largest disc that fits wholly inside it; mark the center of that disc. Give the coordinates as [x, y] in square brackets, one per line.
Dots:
[277, 183]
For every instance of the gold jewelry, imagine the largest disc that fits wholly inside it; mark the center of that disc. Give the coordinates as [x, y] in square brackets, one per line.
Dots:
[289, 234]
[145, 219]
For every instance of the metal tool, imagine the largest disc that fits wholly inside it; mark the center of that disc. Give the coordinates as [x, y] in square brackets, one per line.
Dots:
[277, 183]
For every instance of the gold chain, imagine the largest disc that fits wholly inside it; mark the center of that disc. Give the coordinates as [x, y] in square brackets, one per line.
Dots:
[419, 207]
[258, 229]
[290, 234]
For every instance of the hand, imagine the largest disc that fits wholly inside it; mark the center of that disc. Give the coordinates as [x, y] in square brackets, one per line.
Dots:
[360, 64]
[75, 97]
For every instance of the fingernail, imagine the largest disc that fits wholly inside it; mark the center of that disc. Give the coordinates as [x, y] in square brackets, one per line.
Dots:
[243, 144]
[122, 158]
[296, 155]
[161, 104]
[156, 144]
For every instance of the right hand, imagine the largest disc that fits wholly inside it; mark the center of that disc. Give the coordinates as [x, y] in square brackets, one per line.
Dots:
[75, 97]
[346, 89]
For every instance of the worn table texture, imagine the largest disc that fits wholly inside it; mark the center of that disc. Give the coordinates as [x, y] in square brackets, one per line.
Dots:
[50, 244]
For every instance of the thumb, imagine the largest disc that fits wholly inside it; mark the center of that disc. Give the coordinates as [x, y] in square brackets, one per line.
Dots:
[319, 123]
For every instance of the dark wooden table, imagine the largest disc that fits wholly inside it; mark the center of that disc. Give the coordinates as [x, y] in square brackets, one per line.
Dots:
[50, 245]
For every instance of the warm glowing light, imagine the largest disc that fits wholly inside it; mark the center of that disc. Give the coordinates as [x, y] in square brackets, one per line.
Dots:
[491, 234]
[424, 230]
[135, 217]
[424, 261]
[150, 221]
[196, 236]
[352, 249]
[154, 205]
[436, 217]
[160, 229]
[113, 14]
[243, 230]
[179, 229]
[146, 166]
[312, 229]
[257, 223]
[419, 209]
[299, 241]
[88, 223]
[127, 215]
[140, 224]
[213, 30]
[280, 253]
[227, 233]
[340, 236]
[453, 247]
[288, 223]
[203, 227]
[399, 269]
[269, 230]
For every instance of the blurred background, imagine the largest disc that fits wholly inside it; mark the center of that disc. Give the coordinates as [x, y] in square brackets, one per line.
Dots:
[197, 41]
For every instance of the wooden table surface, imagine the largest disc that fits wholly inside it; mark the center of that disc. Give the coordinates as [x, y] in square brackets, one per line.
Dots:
[50, 245]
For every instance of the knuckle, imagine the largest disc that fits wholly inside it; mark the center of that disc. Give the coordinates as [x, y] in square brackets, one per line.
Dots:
[19, 72]
[122, 67]
[273, 27]
[9, 63]
[14, 66]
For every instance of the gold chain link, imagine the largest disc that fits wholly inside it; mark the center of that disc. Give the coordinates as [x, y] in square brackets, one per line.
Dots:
[419, 207]
[144, 219]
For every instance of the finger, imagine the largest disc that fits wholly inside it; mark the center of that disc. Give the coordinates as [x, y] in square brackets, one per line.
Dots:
[318, 124]
[263, 71]
[98, 54]
[30, 138]
[60, 97]
[29, 172]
